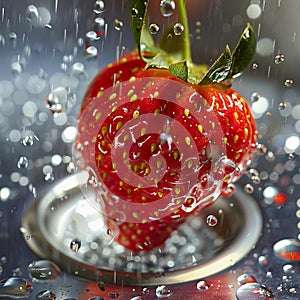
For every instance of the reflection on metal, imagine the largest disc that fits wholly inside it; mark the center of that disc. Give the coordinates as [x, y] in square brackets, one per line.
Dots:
[65, 214]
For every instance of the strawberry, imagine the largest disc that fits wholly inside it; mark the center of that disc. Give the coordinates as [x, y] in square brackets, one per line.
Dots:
[164, 141]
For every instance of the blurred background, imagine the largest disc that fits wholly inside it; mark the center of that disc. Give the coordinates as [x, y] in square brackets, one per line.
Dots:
[48, 55]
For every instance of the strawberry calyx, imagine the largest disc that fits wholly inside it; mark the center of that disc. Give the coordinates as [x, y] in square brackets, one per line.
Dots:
[174, 53]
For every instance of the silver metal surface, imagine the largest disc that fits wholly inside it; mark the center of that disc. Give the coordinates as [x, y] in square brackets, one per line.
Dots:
[64, 214]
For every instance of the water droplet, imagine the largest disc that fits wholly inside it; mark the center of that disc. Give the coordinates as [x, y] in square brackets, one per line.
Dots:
[279, 58]
[287, 249]
[32, 13]
[134, 11]
[255, 96]
[44, 270]
[248, 188]
[163, 291]
[292, 290]
[99, 7]
[118, 24]
[16, 67]
[261, 149]
[145, 291]
[22, 162]
[289, 269]
[45, 295]
[75, 245]
[91, 52]
[202, 285]
[101, 286]
[153, 28]
[178, 29]
[91, 36]
[113, 295]
[254, 66]
[13, 36]
[288, 82]
[28, 140]
[269, 274]
[78, 68]
[56, 99]
[99, 24]
[229, 189]
[253, 291]
[262, 260]
[15, 287]
[211, 220]
[282, 106]
[49, 177]
[167, 7]
[245, 278]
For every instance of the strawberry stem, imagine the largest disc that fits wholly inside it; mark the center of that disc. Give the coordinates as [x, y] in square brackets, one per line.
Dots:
[183, 20]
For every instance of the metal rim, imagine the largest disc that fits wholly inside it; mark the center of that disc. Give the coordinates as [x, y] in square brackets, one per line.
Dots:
[44, 246]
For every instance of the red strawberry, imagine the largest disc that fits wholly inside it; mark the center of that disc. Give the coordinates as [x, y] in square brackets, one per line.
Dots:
[162, 146]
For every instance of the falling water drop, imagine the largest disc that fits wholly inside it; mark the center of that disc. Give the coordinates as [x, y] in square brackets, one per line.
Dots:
[211, 220]
[99, 7]
[32, 13]
[91, 36]
[248, 188]
[153, 28]
[118, 24]
[49, 177]
[163, 291]
[45, 295]
[288, 82]
[254, 291]
[178, 29]
[56, 99]
[282, 106]
[15, 287]
[28, 140]
[44, 270]
[75, 245]
[255, 96]
[167, 7]
[22, 162]
[91, 52]
[279, 58]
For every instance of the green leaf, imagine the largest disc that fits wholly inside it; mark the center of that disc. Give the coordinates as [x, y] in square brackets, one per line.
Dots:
[160, 61]
[244, 52]
[141, 34]
[220, 70]
[196, 72]
[180, 70]
[177, 47]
